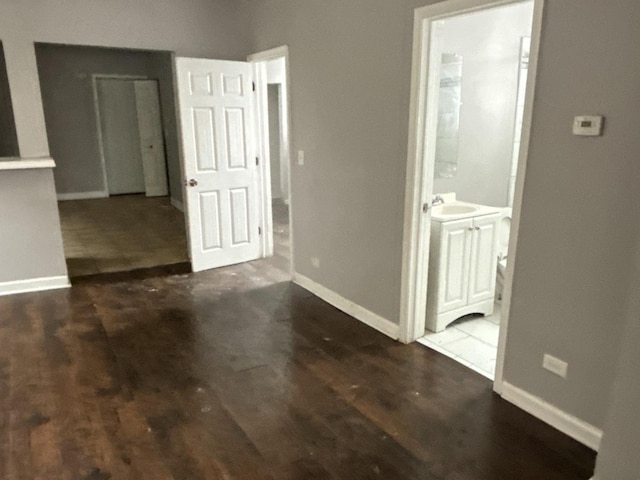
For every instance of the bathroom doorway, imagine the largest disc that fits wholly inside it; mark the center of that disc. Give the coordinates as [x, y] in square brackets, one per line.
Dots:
[471, 108]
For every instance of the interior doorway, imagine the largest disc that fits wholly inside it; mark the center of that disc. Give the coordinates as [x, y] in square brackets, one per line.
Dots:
[226, 161]
[469, 135]
[273, 109]
[112, 128]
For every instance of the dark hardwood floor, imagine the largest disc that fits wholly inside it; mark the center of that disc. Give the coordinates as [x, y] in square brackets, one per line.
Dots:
[236, 374]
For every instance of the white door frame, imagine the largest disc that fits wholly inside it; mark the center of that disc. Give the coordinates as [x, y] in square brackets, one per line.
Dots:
[260, 60]
[420, 166]
[96, 107]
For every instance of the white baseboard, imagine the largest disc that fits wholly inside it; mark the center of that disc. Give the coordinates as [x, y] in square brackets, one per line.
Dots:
[34, 285]
[356, 311]
[81, 195]
[572, 426]
[179, 205]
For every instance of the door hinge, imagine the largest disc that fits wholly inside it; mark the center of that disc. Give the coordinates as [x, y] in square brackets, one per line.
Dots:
[259, 230]
[257, 160]
[253, 86]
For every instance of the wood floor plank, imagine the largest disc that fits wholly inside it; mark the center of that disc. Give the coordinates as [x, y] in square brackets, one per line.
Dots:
[237, 374]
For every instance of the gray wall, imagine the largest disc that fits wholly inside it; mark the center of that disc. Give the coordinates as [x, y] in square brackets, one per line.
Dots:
[580, 208]
[27, 211]
[350, 70]
[205, 28]
[8, 139]
[67, 94]
[489, 42]
[618, 458]
[350, 65]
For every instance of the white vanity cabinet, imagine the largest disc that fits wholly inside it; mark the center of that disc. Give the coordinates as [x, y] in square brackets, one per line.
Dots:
[462, 268]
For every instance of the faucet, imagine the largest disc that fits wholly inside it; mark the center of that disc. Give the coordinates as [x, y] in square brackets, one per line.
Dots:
[437, 200]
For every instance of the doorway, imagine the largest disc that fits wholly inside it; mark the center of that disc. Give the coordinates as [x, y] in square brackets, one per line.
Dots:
[469, 135]
[112, 128]
[227, 170]
[273, 87]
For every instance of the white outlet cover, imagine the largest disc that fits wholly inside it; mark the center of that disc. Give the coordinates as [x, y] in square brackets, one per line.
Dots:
[315, 261]
[555, 365]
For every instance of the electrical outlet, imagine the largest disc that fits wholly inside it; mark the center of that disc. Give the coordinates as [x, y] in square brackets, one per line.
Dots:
[300, 157]
[555, 365]
[315, 261]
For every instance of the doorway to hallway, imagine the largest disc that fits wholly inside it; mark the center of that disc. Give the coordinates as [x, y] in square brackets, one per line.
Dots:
[112, 129]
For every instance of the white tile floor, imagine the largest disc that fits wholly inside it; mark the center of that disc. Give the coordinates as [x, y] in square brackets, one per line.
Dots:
[471, 341]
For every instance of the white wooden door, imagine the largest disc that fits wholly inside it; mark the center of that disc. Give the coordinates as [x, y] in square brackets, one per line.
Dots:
[222, 198]
[120, 139]
[455, 241]
[482, 274]
[154, 160]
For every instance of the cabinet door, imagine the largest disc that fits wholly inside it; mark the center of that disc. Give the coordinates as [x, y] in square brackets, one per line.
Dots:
[455, 249]
[482, 275]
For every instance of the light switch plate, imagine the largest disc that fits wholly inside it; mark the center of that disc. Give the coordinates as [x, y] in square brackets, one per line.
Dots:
[588, 125]
[301, 157]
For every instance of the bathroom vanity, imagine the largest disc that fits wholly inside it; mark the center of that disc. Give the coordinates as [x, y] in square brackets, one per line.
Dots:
[462, 262]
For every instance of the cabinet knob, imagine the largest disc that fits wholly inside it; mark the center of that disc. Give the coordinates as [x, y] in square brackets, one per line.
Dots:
[477, 228]
[470, 229]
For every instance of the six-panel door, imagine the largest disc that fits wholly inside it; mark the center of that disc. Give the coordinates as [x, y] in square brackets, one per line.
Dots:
[217, 117]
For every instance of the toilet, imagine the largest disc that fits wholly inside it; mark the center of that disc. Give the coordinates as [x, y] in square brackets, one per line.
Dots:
[503, 249]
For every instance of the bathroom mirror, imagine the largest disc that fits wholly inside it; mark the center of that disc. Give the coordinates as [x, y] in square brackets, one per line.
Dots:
[448, 129]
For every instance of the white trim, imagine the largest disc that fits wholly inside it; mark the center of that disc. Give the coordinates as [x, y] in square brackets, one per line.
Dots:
[177, 204]
[81, 195]
[34, 285]
[536, 35]
[17, 163]
[260, 60]
[96, 106]
[264, 153]
[271, 54]
[577, 429]
[419, 184]
[356, 311]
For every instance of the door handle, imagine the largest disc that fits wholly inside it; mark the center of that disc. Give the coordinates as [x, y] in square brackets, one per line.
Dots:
[193, 183]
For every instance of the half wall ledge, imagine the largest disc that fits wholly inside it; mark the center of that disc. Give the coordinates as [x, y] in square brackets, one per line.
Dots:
[18, 163]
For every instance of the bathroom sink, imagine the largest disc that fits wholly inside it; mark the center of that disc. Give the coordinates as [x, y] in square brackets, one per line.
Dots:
[456, 209]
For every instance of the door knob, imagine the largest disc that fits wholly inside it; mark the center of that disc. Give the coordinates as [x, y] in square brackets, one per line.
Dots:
[193, 182]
